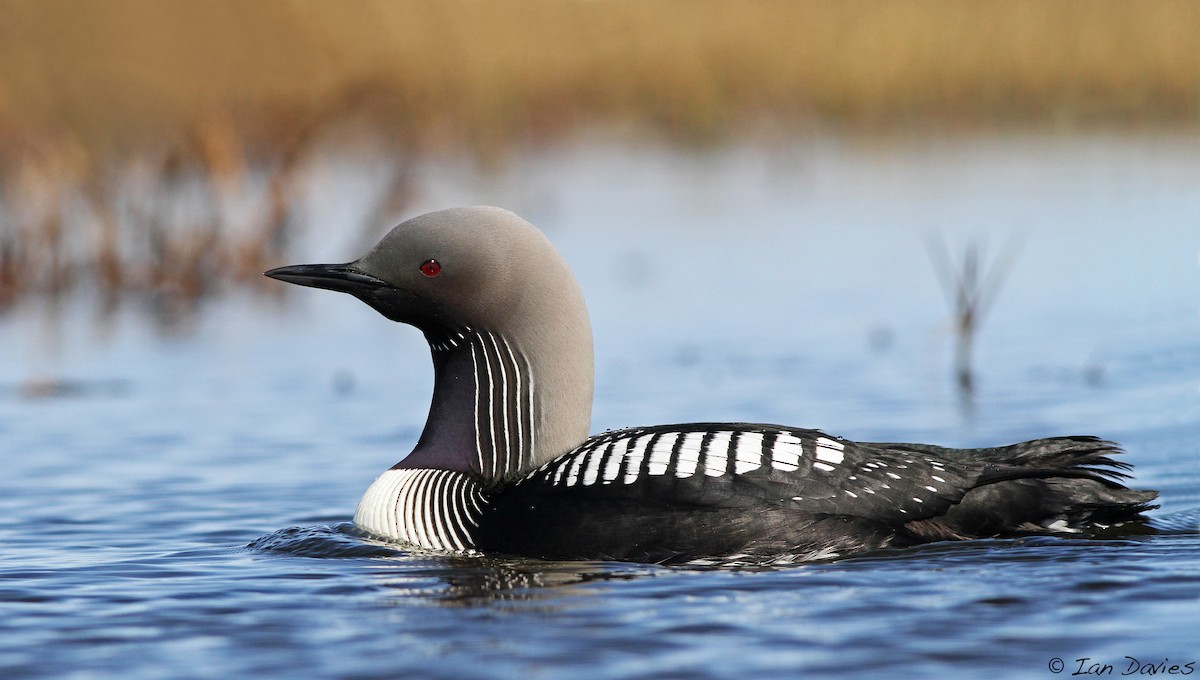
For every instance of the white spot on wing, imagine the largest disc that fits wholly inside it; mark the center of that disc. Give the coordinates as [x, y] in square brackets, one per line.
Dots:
[823, 467]
[660, 456]
[577, 464]
[830, 451]
[749, 453]
[716, 456]
[592, 471]
[612, 466]
[785, 455]
[561, 472]
[633, 459]
[689, 455]
[1061, 525]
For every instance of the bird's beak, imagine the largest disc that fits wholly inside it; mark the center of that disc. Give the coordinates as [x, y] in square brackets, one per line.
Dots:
[344, 278]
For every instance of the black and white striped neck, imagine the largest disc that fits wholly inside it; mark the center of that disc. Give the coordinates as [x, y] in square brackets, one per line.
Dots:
[483, 374]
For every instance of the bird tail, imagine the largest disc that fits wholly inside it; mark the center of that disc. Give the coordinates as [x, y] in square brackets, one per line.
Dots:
[1060, 484]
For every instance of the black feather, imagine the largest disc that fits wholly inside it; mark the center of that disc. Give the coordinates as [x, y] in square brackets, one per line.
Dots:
[876, 495]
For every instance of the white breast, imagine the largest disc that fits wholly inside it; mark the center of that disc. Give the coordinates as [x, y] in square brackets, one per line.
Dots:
[431, 509]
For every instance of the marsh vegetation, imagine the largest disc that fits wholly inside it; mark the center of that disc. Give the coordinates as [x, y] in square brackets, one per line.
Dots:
[157, 149]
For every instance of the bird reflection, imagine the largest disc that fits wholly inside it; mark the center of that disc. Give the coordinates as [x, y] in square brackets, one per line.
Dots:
[447, 580]
[471, 581]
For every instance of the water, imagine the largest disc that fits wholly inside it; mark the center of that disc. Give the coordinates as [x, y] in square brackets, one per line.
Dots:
[177, 504]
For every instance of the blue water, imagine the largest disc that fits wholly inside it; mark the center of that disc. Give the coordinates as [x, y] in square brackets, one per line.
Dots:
[176, 502]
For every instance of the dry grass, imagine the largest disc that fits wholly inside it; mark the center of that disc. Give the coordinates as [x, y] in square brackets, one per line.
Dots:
[485, 70]
[171, 225]
[109, 107]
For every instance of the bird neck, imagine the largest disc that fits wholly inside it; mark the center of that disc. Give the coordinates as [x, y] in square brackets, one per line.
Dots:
[502, 408]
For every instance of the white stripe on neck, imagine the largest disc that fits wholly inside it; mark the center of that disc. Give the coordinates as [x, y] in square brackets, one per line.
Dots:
[505, 435]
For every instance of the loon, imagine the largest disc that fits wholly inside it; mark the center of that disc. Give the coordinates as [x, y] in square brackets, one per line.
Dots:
[505, 465]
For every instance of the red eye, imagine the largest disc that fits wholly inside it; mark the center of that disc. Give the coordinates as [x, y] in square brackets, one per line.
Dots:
[431, 268]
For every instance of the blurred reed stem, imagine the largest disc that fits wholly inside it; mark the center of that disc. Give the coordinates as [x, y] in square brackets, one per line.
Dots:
[971, 291]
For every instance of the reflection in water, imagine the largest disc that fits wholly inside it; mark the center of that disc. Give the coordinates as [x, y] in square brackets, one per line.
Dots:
[414, 577]
[447, 580]
[469, 582]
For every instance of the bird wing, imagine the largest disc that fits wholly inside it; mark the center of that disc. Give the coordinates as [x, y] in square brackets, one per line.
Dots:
[741, 465]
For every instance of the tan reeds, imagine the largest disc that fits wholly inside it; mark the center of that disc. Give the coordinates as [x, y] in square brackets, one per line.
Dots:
[483, 71]
[171, 226]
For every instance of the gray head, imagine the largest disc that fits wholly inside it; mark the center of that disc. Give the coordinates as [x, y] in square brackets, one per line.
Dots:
[512, 346]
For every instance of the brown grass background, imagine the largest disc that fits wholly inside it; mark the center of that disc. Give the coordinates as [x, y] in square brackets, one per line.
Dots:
[124, 71]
